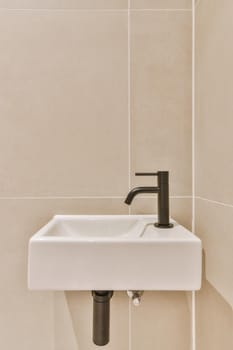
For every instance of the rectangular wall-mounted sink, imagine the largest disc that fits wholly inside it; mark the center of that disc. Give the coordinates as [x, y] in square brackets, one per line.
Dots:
[113, 252]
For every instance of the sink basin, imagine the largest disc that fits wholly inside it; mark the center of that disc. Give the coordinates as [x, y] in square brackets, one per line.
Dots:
[113, 252]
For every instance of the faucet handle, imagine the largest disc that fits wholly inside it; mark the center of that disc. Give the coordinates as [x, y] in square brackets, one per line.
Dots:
[146, 174]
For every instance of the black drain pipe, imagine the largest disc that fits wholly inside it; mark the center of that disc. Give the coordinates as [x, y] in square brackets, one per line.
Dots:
[101, 316]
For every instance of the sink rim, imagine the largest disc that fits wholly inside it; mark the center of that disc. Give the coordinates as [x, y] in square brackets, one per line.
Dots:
[162, 234]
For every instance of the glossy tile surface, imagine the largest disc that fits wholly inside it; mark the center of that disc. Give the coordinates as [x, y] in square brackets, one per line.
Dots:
[158, 315]
[64, 4]
[214, 104]
[214, 227]
[63, 86]
[161, 4]
[214, 210]
[161, 96]
[214, 320]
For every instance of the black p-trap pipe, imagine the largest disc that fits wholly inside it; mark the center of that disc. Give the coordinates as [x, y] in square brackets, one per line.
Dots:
[101, 316]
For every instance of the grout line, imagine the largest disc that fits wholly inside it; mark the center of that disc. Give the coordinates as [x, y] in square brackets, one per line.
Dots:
[197, 3]
[129, 147]
[96, 10]
[162, 10]
[53, 308]
[129, 94]
[129, 98]
[214, 202]
[193, 311]
[181, 197]
[130, 324]
[65, 9]
[61, 197]
[193, 321]
[82, 197]
[193, 116]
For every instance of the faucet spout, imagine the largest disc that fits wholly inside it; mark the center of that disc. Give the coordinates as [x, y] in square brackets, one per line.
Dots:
[135, 191]
[163, 196]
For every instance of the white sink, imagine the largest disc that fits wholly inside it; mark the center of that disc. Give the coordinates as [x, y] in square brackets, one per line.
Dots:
[113, 252]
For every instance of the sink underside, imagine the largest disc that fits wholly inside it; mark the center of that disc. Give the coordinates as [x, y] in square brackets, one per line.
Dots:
[113, 252]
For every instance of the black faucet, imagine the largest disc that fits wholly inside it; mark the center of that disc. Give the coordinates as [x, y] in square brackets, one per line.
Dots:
[163, 196]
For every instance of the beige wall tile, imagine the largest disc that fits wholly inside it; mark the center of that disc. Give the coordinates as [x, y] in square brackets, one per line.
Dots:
[161, 4]
[28, 318]
[161, 322]
[161, 96]
[144, 206]
[214, 122]
[66, 4]
[214, 172]
[180, 209]
[64, 336]
[214, 227]
[63, 87]
[214, 320]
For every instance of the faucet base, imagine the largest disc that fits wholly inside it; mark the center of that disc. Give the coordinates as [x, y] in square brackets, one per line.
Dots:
[170, 225]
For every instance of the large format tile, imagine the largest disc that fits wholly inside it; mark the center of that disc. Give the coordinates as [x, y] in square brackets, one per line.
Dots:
[214, 320]
[181, 211]
[28, 318]
[63, 88]
[162, 321]
[214, 227]
[214, 122]
[66, 4]
[161, 96]
[162, 4]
